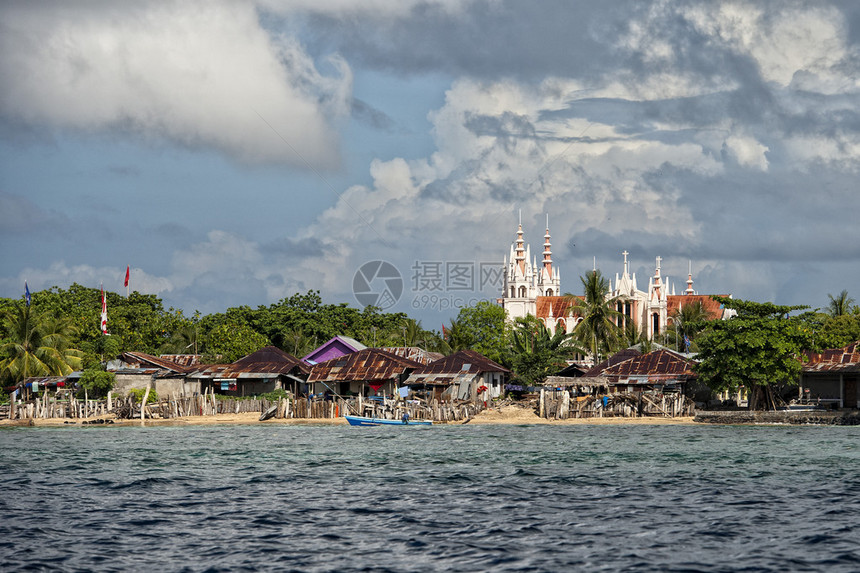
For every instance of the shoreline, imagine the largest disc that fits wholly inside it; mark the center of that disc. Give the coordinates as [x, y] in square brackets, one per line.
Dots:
[507, 415]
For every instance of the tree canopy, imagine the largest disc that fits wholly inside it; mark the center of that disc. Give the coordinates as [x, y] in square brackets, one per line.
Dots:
[759, 349]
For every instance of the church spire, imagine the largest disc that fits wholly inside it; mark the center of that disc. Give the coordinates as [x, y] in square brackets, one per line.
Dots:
[521, 252]
[690, 281]
[547, 250]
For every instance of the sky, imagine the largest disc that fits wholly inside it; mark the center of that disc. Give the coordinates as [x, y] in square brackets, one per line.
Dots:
[239, 152]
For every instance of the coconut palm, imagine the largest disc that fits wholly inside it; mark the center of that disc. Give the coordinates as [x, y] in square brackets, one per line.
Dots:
[36, 344]
[597, 330]
[687, 322]
[535, 354]
[840, 305]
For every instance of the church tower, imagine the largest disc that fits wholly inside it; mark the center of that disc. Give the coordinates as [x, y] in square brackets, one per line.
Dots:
[549, 281]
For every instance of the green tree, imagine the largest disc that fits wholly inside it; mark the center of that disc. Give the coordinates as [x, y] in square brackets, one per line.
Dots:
[597, 331]
[759, 349]
[535, 354]
[230, 342]
[840, 305]
[36, 344]
[483, 328]
[97, 382]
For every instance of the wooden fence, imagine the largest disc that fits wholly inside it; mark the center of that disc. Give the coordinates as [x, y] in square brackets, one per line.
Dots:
[209, 405]
[560, 405]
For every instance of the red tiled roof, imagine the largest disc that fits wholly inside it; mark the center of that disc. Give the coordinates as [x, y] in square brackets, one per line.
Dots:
[559, 304]
[655, 365]
[455, 364]
[368, 364]
[846, 359]
[712, 307]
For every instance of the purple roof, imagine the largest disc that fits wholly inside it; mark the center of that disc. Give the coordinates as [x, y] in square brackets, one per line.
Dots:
[337, 346]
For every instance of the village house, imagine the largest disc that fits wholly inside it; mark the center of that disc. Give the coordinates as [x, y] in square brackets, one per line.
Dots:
[260, 372]
[367, 371]
[167, 375]
[464, 375]
[338, 346]
[831, 378]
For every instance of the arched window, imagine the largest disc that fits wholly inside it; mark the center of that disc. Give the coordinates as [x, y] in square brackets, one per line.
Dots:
[522, 292]
[655, 319]
[549, 292]
[513, 291]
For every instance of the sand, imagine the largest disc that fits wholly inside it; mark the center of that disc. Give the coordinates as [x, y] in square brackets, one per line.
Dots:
[509, 414]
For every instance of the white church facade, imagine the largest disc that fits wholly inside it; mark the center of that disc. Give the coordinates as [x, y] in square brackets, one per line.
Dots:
[532, 288]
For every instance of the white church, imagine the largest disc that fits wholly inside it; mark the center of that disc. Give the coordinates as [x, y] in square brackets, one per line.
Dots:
[535, 289]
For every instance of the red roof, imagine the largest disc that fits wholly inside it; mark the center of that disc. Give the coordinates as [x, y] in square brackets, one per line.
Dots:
[269, 360]
[560, 306]
[846, 359]
[712, 307]
[368, 364]
[616, 358]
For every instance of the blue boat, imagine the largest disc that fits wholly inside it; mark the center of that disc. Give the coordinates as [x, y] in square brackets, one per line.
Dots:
[363, 421]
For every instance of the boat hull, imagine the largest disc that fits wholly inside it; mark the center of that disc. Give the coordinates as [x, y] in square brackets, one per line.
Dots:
[362, 421]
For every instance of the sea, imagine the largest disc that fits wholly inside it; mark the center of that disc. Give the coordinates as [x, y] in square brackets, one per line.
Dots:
[441, 498]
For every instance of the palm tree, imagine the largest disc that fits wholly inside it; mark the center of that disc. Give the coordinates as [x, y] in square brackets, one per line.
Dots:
[36, 344]
[687, 322]
[535, 353]
[840, 305]
[597, 330]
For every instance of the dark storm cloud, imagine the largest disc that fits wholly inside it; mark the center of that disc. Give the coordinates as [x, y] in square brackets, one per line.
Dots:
[485, 39]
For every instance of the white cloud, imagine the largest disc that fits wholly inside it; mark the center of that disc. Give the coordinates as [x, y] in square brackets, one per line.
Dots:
[747, 151]
[198, 74]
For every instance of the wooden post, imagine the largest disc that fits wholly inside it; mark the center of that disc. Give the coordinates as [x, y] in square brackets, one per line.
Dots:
[143, 403]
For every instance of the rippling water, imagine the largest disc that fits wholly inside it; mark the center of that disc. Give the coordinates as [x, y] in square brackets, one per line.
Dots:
[458, 498]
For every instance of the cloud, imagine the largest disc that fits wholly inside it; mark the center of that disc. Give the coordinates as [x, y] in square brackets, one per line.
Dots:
[196, 74]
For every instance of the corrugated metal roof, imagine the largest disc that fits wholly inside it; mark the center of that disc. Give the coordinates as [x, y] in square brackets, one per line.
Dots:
[462, 361]
[846, 359]
[660, 364]
[143, 360]
[441, 378]
[190, 360]
[616, 358]
[368, 364]
[268, 362]
[413, 353]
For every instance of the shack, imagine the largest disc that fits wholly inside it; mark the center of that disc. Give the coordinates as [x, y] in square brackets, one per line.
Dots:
[135, 370]
[831, 377]
[362, 372]
[260, 372]
[334, 348]
[464, 375]
[661, 371]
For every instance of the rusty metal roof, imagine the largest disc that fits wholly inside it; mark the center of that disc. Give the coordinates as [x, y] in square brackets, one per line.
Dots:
[364, 365]
[267, 362]
[413, 353]
[659, 364]
[441, 378]
[143, 360]
[462, 361]
[846, 359]
[190, 360]
[616, 358]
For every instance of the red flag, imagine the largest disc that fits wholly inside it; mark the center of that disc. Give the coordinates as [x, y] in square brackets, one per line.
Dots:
[104, 312]
[126, 277]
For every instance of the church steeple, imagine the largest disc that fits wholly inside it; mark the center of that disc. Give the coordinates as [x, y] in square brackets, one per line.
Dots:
[690, 281]
[547, 250]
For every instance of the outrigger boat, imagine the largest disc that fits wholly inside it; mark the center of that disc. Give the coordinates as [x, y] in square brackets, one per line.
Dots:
[364, 421]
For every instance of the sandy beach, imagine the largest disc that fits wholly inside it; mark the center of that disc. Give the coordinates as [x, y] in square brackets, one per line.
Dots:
[509, 414]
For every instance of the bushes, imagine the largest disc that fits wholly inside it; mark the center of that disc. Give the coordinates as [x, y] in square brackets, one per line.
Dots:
[137, 394]
[97, 382]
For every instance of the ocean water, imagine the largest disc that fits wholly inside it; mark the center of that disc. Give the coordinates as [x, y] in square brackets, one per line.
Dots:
[445, 498]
